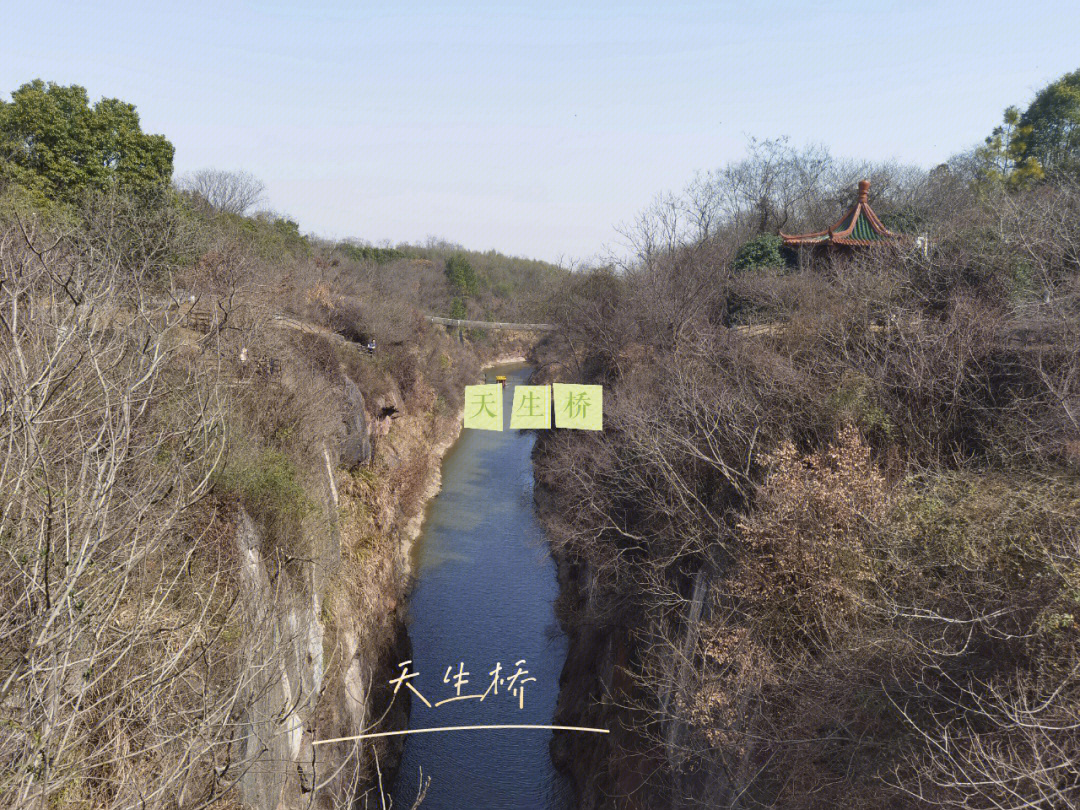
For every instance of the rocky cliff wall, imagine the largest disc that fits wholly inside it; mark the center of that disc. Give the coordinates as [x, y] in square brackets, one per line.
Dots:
[327, 629]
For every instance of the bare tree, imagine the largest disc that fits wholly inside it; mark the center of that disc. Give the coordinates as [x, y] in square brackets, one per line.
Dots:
[225, 191]
[122, 680]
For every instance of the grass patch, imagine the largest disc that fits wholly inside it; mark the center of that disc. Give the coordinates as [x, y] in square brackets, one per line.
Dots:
[268, 486]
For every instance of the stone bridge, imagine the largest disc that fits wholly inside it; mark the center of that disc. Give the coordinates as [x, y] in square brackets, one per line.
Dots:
[460, 323]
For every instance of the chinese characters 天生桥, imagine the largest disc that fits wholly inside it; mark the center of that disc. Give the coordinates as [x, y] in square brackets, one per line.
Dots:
[511, 683]
[575, 407]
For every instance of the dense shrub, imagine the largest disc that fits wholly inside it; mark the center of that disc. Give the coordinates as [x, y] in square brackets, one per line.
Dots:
[268, 486]
[766, 250]
[806, 565]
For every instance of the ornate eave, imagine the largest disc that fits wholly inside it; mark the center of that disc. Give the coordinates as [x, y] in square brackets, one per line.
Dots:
[859, 227]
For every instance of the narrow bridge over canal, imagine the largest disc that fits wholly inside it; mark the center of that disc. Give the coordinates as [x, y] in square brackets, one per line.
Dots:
[459, 323]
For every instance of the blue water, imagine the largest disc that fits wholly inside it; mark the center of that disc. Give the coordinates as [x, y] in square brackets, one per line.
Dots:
[486, 584]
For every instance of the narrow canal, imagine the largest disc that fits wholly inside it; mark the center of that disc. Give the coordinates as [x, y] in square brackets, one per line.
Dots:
[484, 593]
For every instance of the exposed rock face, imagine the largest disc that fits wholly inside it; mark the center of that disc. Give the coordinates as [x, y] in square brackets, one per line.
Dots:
[387, 407]
[294, 701]
[284, 630]
[592, 686]
[325, 662]
[356, 446]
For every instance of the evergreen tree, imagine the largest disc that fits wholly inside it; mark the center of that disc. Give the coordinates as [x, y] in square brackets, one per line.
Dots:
[461, 275]
[1052, 126]
[1005, 158]
[54, 142]
[766, 250]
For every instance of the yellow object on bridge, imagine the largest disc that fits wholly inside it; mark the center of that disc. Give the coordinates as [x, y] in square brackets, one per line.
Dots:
[500, 379]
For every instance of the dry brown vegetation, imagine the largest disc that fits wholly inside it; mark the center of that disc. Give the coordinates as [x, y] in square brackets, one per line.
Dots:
[830, 563]
[181, 600]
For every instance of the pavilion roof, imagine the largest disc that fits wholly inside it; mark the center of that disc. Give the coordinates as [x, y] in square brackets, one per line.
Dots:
[859, 227]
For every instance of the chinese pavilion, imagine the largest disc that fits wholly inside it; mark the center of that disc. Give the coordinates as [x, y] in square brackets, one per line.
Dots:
[859, 227]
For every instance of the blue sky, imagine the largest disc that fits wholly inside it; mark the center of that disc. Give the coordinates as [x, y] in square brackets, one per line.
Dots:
[535, 128]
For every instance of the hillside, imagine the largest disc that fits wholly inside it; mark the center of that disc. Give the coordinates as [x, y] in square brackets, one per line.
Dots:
[208, 487]
[828, 559]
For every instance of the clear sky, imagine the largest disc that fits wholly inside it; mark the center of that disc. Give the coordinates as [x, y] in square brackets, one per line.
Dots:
[535, 128]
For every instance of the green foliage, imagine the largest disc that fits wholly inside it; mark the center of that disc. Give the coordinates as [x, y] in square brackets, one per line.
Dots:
[506, 288]
[1052, 623]
[287, 229]
[268, 235]
[766, 250]
[1021, 281]
[1044, 140]
[379, 255]
[1051, 126]
[983, 522]
[25, 199]
[268, 486]
[457, 308]
[461, 275]
[54, 142]
[853, 401]
[741, 310]
[1005, 159]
